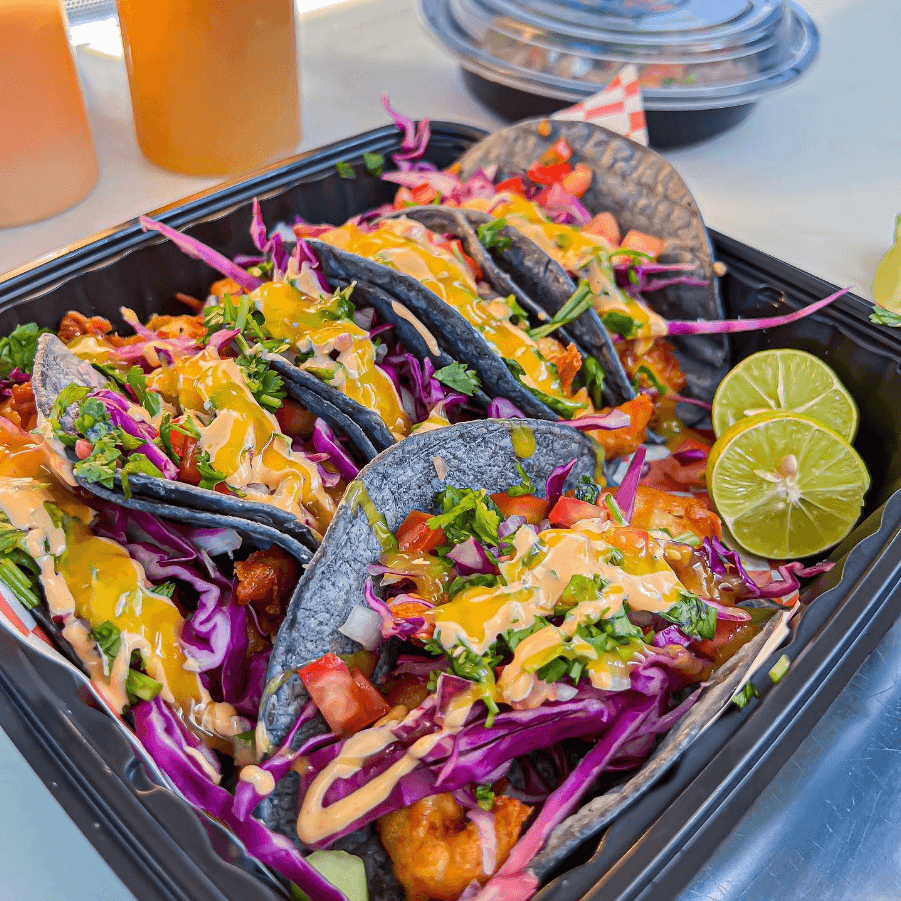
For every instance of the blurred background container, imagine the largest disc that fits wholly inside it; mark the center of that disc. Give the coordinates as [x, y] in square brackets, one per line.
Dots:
[47, 158]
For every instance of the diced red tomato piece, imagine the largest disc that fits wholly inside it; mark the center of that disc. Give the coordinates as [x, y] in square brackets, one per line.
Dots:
[636, 240]
[83, 448]
[348, 700]
[570, 510]
[534, 509]
[730, 635]
[548, 175]
[185, 448]
[415, 535]
[512, 185]
[578, 181]
[605, 225]
[294, 420]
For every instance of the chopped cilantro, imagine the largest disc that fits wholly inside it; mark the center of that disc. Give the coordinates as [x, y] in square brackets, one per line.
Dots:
[485, 796]
[490, 237]
[466, 512]
[882, 316]
[137, 464]
[137, 381]
[374, 163]
[18, 349]
[587, 490]
[141, 687]
[459, 377]
[695, 618]
[345, 170]
[461, 583]
[620, 324]
[265, 384]
[165, 589]
[582, 588]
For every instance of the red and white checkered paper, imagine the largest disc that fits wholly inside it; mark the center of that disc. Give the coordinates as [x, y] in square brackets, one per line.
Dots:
[617, 107]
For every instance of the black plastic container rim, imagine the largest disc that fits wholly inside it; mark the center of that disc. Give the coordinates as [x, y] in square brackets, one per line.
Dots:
[815, 680]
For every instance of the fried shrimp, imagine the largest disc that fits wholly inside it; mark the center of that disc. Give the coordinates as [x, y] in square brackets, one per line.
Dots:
[437, 851]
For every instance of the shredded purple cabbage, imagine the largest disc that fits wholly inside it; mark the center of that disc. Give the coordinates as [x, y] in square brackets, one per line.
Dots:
[628, 488]
[325, 442]
[614, 419]
[199, 251]
[501, 408]
[556, 481]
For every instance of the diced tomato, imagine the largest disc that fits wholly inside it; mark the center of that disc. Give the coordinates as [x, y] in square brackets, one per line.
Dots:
[636, 240]
[187, 453]
[730, 635]
[415, 535]
[83, 448]
[548, 175]
[512, 185]
[605, 225]
[534, 509]
[456, 248]
[570, 510]
[348, 700]
[578, 181]
[294, 420]
[558, 152]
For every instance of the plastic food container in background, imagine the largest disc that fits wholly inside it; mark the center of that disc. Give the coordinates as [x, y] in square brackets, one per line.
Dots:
[702, 63]
[213, 84]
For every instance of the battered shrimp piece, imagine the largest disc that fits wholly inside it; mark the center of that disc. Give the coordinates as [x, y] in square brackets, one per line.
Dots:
[661, 510]
[652, 361]
[620, 442]
[177, 326]
[567, 359]
[436, 850]
[266, 580]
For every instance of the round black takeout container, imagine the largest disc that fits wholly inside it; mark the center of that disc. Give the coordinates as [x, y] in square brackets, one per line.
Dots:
[702, 64]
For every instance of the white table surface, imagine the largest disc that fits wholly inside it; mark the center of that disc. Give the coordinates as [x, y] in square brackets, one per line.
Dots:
[813, 176]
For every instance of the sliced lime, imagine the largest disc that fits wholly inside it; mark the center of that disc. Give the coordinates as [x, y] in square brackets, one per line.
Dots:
[788, 380]
[785, 485]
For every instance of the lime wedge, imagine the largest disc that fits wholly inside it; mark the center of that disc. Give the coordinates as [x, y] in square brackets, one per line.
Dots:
[887, 280]
[785, 485]
[789, 380]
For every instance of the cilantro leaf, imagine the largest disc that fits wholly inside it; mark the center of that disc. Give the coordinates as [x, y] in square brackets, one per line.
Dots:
[651, 378]
[620, 324]
[587, 490]
[485, 796]
[264, 383]
[149, 400]
[695, 618]
[465, 513]
[137, 463]
[108, 638]
[490, 237]
[459, 377]
[141, 687]
[18, 349]
[101, 465]
[345, 170]
[374, 163]
[461, 583]
[882, 316]
[582, 588]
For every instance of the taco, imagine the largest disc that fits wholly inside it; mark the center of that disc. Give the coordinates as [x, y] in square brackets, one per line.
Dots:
[553, 630]
[349, 342]
[198, 432]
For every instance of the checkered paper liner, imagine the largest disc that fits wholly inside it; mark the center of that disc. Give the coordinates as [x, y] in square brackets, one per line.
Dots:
[617, 107]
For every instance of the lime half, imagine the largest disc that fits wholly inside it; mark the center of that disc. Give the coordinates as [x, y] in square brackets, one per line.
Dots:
[789, 380]
[785, 485]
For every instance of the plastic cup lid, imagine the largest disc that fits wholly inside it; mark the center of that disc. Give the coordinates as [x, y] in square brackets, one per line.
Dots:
[691, 54]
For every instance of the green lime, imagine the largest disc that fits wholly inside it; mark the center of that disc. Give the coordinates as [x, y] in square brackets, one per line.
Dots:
[785, 485]
[887, 280]
[788, 380]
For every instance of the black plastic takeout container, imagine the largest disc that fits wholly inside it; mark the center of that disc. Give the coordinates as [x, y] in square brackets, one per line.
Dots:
[154, 841]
